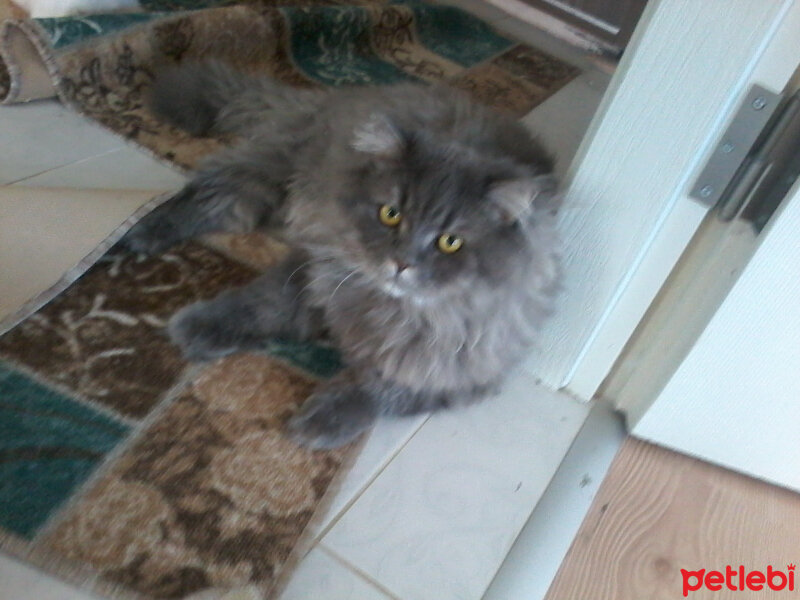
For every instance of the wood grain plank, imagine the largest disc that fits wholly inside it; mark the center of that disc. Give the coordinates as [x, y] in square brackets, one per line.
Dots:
[658, 512]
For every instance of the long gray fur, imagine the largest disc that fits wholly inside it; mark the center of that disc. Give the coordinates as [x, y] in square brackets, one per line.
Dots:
[419, 330]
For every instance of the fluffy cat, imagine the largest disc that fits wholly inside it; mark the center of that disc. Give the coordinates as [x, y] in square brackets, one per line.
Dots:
[40, 9]
[421, 228]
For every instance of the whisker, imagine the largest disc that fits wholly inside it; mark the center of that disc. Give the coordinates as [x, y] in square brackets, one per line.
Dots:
[288, 279]
[312, 260]
[336, 289]
[308, 285]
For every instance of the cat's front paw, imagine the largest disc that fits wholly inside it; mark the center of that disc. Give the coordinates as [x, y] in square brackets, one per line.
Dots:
[332, 418]
[200, 333]
[145, 238]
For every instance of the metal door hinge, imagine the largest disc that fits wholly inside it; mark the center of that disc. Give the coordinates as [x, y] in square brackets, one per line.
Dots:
[747, 125]
[769, 163]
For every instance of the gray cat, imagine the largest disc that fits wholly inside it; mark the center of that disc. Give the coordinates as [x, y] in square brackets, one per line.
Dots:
[421, 228]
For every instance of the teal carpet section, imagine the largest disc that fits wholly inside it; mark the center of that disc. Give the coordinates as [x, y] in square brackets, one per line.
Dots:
[69, 30]
[331, 44]
[456, 34]
[49, 445]
[321, 361]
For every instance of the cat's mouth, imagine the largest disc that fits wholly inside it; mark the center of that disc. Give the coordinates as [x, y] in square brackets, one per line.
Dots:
[397, 283]
[394, 289]
[388, 280]
[407, 287]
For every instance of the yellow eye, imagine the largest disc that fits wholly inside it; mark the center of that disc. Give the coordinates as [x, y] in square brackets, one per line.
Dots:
[449, 243]
[389, 216]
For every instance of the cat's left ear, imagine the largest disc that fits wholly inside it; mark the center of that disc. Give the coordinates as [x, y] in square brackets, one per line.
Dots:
[379, 137]
[516, 198]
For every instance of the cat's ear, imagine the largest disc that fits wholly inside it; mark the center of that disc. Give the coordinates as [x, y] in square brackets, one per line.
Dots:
[378, 136]
[516, 198]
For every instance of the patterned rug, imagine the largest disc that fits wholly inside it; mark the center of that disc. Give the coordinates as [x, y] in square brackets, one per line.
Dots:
[123, 468]
[102, 65]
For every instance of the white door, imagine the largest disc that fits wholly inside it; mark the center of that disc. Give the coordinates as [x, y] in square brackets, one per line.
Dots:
[735, 399]
[732, 394]
[627, 215]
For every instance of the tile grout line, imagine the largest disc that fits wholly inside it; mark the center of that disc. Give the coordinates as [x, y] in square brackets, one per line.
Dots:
[68, 164]
[520, 395]
[360, 492]
[568, 398]
[547, 487]
[358, 572]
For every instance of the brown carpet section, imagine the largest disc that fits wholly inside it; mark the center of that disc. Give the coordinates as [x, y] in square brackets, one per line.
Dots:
[103, 338]
[211, 495]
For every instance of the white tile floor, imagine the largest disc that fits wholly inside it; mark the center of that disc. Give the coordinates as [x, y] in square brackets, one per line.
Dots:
[139, 172]
[441, 517]
[433, 505]
[45, 232]
[45, 136]
[533, 561]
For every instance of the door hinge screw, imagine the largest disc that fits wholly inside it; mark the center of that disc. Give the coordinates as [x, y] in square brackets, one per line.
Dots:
[759, 103]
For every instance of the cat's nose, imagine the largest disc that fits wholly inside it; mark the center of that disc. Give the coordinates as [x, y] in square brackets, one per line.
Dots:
[401, 266]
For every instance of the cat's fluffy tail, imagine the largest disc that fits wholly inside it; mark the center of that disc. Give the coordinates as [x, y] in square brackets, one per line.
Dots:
[211, 97]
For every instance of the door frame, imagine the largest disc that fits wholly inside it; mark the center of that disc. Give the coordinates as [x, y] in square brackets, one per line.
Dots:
[615, 35]
[627, 217]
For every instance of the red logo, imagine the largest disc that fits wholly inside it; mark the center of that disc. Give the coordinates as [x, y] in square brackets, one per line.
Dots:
[738, 579]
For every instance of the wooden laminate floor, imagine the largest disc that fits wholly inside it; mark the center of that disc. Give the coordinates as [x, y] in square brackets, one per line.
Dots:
[658, 512]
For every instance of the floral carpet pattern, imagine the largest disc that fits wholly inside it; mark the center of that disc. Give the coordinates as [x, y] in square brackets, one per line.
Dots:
[102, 65]
[123, 468]
[184, 477]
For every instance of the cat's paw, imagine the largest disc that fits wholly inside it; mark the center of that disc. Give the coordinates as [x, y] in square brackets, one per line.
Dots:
[200, 334]
[332, 418]
[143, 238]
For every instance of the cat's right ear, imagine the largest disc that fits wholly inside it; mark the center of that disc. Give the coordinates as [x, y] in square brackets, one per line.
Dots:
[516, 198]
[379, 137]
